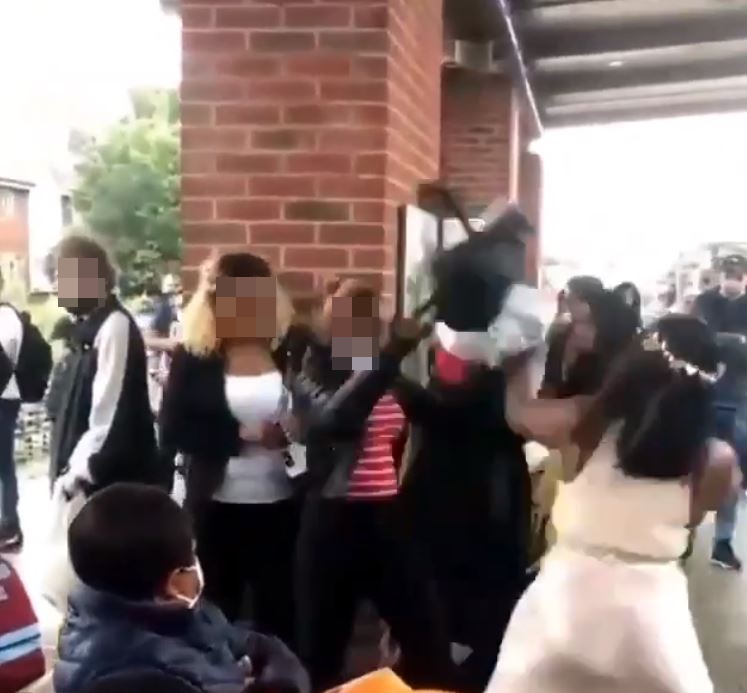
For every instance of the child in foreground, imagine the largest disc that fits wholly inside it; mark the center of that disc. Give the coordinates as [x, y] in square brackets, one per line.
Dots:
[139, 608]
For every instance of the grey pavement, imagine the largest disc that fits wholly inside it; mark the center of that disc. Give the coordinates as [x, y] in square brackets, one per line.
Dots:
[718, 598]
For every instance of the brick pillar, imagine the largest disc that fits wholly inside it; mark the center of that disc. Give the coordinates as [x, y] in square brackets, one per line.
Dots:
[305, 124]
[484, 139]
[530, 201]
[478, 121]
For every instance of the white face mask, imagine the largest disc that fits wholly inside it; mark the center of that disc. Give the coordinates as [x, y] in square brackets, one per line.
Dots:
[732, 288]
[191, 602]
[358, 364]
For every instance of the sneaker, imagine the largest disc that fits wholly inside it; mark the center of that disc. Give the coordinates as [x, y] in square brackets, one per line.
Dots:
[723, 556]
[11, 538]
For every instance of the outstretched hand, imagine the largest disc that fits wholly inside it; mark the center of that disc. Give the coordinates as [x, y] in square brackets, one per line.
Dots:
[406, 333]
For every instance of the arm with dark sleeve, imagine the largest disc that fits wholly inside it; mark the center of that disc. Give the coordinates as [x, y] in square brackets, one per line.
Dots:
[175, 430]
[329, 414]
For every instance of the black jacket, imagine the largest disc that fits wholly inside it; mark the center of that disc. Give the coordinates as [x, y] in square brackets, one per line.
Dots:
[196, 420]
[104, 636]
[467, 491]
[722, 314]
[104, 421]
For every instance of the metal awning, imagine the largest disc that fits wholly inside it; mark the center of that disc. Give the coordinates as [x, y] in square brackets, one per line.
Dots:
[594, 61]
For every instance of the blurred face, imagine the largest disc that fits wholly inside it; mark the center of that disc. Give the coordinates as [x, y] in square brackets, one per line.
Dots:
[80, 283]
[246, 308]
[354, 331]
[584, 334]
[172, 286]
[577, 307]
[628, 296]
[732, 283]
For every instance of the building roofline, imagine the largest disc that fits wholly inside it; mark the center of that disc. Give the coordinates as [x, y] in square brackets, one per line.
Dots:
[16, 183]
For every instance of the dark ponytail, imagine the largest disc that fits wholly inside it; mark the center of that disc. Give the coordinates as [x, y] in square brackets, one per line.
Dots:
[665, 409]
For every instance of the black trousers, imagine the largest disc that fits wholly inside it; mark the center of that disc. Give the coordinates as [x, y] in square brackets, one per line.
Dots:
[250, 545]
[350, 551]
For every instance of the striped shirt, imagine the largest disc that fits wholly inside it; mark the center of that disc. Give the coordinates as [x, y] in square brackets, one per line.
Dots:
[375, 475]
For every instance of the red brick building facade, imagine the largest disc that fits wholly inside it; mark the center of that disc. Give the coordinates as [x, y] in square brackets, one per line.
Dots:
[306, 123]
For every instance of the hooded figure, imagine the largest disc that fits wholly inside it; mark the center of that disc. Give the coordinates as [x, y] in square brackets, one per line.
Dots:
[467, 489]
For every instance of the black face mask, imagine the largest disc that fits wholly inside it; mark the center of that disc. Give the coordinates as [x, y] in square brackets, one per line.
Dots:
[84, 306]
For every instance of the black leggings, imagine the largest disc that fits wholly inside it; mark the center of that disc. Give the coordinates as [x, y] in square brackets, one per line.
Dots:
[349, 551]
[254, 545]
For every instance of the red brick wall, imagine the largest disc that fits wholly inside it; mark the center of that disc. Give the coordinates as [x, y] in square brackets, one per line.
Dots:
[304, 123]
[14, 229]
[14, 237]
[476, 148]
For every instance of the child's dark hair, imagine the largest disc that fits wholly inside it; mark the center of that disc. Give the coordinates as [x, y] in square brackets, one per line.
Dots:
[662, 394]
[127, 540]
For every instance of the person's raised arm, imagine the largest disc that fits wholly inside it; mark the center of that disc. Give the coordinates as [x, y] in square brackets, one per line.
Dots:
[347, 409]
[550, 422]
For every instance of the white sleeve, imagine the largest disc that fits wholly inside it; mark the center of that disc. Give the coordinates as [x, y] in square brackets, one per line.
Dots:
[112, 344]
[11, 333]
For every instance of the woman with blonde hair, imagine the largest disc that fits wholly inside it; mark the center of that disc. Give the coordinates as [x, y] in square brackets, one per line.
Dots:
[225, 408]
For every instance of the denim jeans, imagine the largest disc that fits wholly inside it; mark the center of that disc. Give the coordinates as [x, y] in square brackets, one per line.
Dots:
[731, 426]
[8, 479]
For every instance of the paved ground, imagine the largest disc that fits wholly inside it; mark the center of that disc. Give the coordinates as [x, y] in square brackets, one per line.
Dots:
[719, 599]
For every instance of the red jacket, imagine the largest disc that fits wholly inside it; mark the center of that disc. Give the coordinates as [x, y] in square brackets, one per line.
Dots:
[21, 656]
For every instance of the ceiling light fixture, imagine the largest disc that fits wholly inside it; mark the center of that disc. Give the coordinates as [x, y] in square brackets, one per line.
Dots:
[616, 63]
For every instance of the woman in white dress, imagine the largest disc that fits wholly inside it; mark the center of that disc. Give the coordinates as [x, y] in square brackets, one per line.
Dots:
[609, 609]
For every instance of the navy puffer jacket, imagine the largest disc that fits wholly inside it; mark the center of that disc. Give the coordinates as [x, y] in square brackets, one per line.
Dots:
[104, 635]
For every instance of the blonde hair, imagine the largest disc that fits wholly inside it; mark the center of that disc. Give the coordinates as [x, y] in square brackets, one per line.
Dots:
[198, 321]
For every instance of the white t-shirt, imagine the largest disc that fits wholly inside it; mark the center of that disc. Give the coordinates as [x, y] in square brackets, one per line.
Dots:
[257, 475]
[11, 337]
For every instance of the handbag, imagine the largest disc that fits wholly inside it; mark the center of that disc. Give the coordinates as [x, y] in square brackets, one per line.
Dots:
[58, 577]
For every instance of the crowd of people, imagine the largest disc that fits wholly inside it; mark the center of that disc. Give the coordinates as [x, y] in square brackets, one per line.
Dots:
[318, 477]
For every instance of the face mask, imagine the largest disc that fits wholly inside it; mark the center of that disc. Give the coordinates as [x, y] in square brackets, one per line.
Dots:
[732, 287]
[360, 364]
[192, 601]
[82, 306]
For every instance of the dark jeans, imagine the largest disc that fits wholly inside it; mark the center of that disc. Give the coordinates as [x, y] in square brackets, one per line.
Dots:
[351, 551]
[8, 479]
[250, 545]
[730, 426]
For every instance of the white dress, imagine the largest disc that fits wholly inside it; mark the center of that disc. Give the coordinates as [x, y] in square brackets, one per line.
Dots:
[609, 610]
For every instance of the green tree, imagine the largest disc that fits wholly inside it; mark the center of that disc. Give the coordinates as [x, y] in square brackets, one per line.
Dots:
[128, 188]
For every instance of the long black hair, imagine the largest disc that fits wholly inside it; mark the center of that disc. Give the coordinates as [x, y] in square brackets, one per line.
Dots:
[629, 293]
[616, 326]
[661, 392]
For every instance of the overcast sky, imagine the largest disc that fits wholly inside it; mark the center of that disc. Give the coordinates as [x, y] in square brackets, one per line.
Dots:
[635, 195]
[78, 58]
